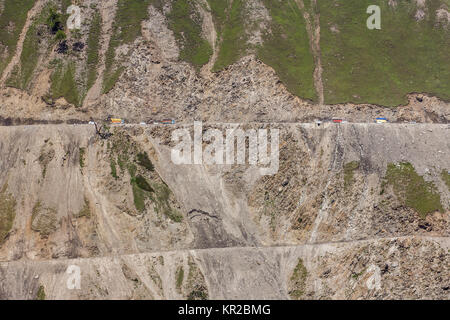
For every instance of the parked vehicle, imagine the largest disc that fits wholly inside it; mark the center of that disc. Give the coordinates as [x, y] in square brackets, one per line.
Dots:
[337, 120]
[168, 121]
[117, 121]
[381, 120]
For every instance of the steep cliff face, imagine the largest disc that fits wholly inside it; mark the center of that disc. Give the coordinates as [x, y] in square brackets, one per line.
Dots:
[353, 212]
[228, 60]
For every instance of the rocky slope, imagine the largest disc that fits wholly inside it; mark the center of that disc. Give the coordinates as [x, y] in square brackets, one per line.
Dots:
[155, 59]
[336, 220]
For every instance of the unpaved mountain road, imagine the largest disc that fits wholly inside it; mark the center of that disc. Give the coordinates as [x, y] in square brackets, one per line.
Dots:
[240, 272]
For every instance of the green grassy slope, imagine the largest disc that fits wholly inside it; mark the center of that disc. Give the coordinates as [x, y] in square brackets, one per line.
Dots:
[412, 189]
[359, 65]
[72, 73]
[63, 83]
[382, 66]
[12, 20]
[286, 48]
[93, 47]
[186, 24]
[229, 21]
[22, 73]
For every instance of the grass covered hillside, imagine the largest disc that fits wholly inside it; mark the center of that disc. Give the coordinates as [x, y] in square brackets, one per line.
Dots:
[411, 52]
[321, 50]
[12, 19]
[284, 43]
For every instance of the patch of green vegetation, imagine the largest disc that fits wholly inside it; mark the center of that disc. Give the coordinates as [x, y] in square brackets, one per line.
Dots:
[126, 28]
[159, 193]
[132, 169]
[60, 35]
[142, 183]
[219, 10]
[349, 171]
[54, 20]
[7, 213]
[308, 5]
[144, 161]
[162, 205]
[139, 196]
[112, 163]
[230, 23]
[186, 23]
[140, 188]
[286, 48]
[44, 220]
[180, 277]
[174, 215]
[298, 281]
[12, 20]
[63, 83]
[65, 4]
[446, 177]
[163, 193]
[41, 293]
[22, 73]
[93, 47]
[82, 152]
[382, 66]
[286, 45]
[412, 189]
[85, 211]
[34, 45]
[45, 157]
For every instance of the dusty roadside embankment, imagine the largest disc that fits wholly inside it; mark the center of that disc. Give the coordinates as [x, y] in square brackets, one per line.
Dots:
[354, 211]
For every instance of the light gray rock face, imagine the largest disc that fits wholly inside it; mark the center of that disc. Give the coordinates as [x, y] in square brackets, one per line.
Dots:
[328, 224]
